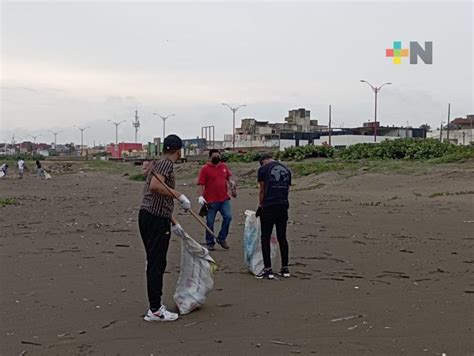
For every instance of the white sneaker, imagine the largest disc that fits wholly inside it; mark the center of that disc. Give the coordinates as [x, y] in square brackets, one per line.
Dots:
[161, 315]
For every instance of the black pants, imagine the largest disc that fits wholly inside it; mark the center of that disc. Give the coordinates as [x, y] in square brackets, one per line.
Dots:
[155, 233]
[271, 216]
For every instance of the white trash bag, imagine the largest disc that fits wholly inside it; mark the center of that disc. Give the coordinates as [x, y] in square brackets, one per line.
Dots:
[196, 278]
[46, 175]
[253, 246]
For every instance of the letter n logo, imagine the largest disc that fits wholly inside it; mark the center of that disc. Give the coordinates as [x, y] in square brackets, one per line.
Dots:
[425, 54]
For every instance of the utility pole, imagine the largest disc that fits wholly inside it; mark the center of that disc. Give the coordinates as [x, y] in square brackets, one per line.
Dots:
[449, 114]
[136, 125]
[164, 118]
[82, 129]
[117, 124]
[55, 136]
[376, 90]
[233, 109]
[14, 143]
[34, 142]
[471, 128]
[330, 125]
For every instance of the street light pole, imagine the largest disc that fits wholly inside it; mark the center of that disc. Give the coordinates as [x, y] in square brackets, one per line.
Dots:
[376, 91]
[449, 116]
[329, 126]
[55, 136]
[82, 136]
[117, 124]
[233, 109]
[34, 141]
[164, 118]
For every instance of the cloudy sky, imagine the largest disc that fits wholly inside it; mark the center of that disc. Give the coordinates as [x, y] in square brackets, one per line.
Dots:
[83, 63]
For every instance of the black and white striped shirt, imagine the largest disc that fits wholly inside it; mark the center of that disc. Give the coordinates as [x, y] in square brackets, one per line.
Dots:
[153, 202]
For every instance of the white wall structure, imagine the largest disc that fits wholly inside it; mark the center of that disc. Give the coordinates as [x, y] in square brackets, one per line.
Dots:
[348, 140]
[458, 137]
[274, 144]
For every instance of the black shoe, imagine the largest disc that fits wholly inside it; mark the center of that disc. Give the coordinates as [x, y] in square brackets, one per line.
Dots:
[284, 272]
[265, 274]
[223, 244]
[211, 248]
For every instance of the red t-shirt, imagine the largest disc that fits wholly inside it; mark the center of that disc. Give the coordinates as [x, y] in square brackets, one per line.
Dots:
[214, 179]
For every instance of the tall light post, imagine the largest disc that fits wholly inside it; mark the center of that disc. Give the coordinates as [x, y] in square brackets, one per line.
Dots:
[14, 141]
[233, 109]
[376, 91]
[117, 124]
[82, 129]
[34, 141]
[449, 118]
[329, 126]
[34, 138]
[164, 118]
[55, 136]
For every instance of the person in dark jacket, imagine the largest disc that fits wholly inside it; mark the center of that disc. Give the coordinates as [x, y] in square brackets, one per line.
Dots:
[275, 181]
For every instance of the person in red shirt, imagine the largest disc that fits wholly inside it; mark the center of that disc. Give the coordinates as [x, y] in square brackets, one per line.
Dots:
[214, 185]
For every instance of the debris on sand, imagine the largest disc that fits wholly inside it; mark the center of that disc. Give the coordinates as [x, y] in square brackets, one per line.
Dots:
[31, 343]
[276, 342]
[349, 317]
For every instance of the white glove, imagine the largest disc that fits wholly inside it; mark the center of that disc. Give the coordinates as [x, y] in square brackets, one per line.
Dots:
[177, 230]
[184, 202]
[202, 201]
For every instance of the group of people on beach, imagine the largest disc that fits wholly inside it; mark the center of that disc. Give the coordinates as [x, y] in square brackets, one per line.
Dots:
[215, 189]
[40, 172]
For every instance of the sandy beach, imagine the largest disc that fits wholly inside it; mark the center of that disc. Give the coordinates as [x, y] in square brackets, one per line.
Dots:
[382, 264]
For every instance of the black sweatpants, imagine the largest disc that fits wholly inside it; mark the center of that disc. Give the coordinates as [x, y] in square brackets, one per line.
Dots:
[155, 233]
[271, 216]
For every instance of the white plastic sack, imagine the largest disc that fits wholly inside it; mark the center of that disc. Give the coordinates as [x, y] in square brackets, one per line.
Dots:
[252, 243]
[46, 175]
[2, 174]
[196, 278]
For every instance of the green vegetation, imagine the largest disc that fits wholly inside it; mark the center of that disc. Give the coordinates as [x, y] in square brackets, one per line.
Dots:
[318, 167]
[407, 149]
[7, 201]
[12, 159]
[234, 157]
[302, 152]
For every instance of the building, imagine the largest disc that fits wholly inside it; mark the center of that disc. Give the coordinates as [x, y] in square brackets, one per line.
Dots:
[298, 120]
[299, 130]
[263, 134]
[462, 123]
[124, 149]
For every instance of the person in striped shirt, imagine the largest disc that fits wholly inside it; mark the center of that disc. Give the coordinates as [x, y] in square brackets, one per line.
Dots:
[156, 222]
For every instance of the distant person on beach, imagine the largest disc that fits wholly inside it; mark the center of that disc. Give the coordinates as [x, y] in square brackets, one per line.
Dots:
[156, 222]
[3, 170]
[39, 170]
[275, 180]
[214, 184]
[21, 167]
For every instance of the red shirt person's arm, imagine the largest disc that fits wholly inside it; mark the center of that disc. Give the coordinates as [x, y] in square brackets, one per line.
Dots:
[202, 179]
